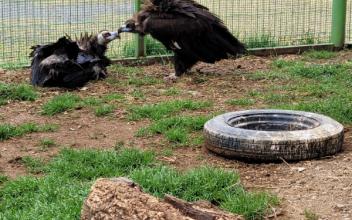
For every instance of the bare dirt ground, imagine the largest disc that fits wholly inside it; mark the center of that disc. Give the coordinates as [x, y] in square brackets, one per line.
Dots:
[322, 186]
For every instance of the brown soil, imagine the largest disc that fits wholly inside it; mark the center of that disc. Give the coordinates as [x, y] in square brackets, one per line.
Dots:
[322, 186]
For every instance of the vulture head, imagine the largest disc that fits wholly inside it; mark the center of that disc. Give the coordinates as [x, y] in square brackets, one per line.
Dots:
[105, 37]
[129, 26]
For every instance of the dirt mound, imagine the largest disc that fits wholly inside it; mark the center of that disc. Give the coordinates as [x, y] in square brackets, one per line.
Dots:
[120, 198]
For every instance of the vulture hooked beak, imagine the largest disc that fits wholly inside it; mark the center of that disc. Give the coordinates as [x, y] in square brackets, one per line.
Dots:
[124, 28]
[114, 35]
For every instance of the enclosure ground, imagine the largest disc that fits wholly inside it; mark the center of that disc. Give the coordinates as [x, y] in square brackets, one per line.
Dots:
[309, 188]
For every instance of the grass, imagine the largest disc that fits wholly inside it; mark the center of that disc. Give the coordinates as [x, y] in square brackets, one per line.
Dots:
[321, 54]
[130, 76]
[172, 92]
[165, 109]
[205, 183]
[8, 131]
[59, 193]
[46, 143]
[138, 94]
[61, 103]
[3, 179]
[67, 102]
[241, 102]
[16, 92]
[176, 129]
[298, 85]
[142, 81]
[34, 165]
[113, 97]
[104, 110]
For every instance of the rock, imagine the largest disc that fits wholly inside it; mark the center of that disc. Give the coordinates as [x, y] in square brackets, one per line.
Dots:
[120, 198]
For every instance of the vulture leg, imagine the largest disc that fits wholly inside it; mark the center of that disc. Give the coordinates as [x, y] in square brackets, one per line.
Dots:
[182, 65]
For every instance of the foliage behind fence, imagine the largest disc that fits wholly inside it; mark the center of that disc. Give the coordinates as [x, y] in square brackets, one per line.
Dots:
[259, 23]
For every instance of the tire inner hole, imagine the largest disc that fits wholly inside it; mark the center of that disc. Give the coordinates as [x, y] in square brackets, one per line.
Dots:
[273, 122]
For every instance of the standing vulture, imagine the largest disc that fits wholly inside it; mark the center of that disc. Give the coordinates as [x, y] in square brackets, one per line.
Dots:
[187, 28]
[71, 64]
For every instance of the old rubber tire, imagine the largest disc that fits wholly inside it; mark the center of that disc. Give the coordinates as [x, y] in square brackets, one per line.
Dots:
[269, 135]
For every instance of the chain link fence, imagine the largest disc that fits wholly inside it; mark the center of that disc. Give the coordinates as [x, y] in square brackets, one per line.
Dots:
[258, 23]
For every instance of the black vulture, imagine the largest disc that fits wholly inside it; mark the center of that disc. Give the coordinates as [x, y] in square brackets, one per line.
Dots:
[71, 64]
[187, 28]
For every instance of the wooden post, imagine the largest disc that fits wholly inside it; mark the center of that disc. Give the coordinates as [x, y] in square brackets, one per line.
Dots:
[140, 47]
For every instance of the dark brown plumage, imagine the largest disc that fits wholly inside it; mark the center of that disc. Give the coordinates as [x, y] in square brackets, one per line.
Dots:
[187, 28]
[71, 64]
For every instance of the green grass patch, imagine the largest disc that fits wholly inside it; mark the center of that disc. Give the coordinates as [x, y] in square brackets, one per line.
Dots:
[176, 129]
[165, 109]
[113, 97]
[102, 105]
[321, 54]
[60, 192]
[125, 70]
[61, 103]
[34, 165]
[282, 63]
[46, 143]
[190, 123]
[177, 135]
[205, 183]
[91, 164]
[321, 88]
[317, 70]
[339, 108]
[92, 101]
[138, 94]
[276, 98]
[3, 179]
[172, 92]
[241, 102]
[133, 76]
[8, 131]
[104, 110]
[142, 80]
[51, 197]
[18, 92]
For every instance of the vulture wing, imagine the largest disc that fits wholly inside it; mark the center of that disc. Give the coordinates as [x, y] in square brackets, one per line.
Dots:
[191, 31]
[51, 61]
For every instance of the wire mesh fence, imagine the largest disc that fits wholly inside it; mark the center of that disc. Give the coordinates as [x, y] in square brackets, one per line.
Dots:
[259, 23]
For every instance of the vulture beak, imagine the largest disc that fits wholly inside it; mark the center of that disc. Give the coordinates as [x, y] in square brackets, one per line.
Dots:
[114, 35]
[124, 28]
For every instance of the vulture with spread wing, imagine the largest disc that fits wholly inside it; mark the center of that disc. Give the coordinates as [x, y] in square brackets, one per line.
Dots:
[71, 64]
[187, 28]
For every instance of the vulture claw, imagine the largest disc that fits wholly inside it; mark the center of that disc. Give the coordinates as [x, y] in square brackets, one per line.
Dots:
[172, 78]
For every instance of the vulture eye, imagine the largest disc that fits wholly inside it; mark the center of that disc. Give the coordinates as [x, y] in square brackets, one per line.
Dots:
[105, 35]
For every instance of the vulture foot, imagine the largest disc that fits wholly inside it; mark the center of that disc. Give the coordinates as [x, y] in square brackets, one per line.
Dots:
[172, 78]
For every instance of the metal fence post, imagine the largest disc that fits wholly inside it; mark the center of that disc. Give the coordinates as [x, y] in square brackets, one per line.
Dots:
[338, 30]
[140, 48]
